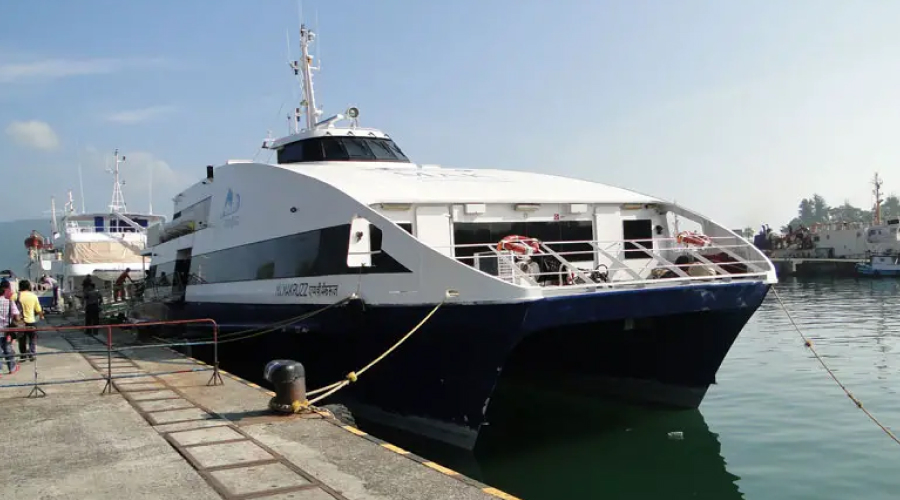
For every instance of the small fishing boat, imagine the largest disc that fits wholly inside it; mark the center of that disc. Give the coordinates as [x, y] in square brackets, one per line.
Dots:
[880, 265]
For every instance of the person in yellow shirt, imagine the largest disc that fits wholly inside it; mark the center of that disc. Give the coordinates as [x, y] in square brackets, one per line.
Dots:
[31, 306]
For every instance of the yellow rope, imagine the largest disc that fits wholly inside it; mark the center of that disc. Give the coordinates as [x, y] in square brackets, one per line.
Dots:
[330, 389]
[850, 395]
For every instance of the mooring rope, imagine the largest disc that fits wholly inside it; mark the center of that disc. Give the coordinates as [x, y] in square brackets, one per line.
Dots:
[834, 377]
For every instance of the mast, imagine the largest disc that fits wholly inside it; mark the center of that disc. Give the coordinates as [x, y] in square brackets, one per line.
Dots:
[877, 192]
[54, 227]
[118, 199]
[304, 69]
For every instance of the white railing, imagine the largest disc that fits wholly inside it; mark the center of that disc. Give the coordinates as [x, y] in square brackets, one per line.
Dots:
[626, 263]
[92, 229]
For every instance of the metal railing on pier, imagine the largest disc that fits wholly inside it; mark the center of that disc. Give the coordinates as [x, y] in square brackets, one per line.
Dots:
[109, 347]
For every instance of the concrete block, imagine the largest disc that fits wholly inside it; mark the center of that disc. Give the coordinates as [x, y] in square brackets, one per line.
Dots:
[208, 435]
[165, 417]
[258, 478]
[216, 455]
[163, 404]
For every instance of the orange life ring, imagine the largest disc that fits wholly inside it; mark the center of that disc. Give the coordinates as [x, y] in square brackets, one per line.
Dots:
[692, 238]
[34, 242]
[522, 245]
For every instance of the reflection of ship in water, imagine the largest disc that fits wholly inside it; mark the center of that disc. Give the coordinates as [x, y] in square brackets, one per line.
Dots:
[553, 446]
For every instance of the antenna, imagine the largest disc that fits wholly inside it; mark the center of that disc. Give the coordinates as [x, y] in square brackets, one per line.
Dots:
[118, 199]
[877, 192]
[54, 226]
[305, 67]
[318, 45]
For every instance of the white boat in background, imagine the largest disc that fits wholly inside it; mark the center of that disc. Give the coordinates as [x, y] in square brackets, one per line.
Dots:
[571, 282]
[101, 245]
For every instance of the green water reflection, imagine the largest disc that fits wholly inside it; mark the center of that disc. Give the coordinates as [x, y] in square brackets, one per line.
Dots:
[774, 427]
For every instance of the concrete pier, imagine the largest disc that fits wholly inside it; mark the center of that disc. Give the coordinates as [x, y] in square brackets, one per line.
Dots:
[175, 437]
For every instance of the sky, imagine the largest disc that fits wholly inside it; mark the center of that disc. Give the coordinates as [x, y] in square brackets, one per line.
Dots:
[734, 109]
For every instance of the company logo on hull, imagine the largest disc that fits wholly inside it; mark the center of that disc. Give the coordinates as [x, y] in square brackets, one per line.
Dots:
[232, 203]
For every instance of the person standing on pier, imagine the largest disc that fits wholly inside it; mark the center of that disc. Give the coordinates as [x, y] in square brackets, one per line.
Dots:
[92, 302]
[31, 307]
[9, 316]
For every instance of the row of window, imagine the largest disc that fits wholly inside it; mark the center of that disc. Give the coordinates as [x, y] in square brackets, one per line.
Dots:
[321, 252]
[331, 148]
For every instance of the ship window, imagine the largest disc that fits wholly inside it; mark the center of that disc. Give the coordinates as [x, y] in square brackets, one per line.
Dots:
[380, 259]
[320, 252]
[332, 148]
[640, 230]
[489, 234]
[406, 226]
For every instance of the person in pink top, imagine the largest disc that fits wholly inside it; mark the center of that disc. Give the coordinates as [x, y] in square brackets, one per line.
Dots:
[9, 316]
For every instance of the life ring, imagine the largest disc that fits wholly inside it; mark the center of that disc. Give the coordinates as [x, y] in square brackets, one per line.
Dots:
[35, 242]
[522, 245]
[692, 238]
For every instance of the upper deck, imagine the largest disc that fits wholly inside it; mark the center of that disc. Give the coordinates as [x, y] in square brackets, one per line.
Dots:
[106, 223]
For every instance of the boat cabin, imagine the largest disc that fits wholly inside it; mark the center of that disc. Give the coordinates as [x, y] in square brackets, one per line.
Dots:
[108, 223]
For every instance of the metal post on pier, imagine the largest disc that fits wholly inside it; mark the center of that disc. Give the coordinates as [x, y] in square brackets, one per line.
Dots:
[36, 391]
[216, 378]
[108, 388]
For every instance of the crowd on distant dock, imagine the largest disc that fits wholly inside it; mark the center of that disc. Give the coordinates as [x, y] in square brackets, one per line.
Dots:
[800, 238]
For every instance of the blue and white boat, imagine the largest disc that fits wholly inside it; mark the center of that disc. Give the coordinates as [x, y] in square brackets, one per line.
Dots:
[879, 265]
[577, 283]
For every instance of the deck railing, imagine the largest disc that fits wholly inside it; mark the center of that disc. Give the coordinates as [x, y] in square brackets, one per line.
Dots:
[660, 261]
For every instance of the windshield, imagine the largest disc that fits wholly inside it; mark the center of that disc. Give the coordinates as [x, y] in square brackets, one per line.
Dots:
[341, 149]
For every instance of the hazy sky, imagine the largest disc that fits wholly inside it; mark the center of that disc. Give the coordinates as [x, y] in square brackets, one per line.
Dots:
[736, 109]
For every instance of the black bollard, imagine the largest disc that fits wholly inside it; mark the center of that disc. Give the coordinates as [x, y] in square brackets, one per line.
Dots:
[289, 379]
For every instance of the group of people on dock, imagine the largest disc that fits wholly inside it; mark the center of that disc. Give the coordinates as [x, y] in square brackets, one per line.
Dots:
[19, 314]
[800, 238]
[21, 310]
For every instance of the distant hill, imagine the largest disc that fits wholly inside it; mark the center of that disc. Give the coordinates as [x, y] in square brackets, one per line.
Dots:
[12, 242]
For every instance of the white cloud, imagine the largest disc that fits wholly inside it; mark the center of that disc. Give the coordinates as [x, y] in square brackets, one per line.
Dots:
[139, 115]
[33, 134]
[49, 69]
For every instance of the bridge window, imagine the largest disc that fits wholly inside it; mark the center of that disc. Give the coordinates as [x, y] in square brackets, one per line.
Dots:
[344, 148]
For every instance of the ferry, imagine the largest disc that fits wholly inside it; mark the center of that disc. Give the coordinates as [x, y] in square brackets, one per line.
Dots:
[579, 284]
[101, 245]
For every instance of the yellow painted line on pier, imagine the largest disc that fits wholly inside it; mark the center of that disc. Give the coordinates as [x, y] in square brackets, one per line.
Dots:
[395, 449]
[354, 430]
[270, 393]
[251, 384]
[440, 468]
[499, 494]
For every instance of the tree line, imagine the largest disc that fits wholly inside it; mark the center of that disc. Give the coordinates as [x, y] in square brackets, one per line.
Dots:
[815, 210]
